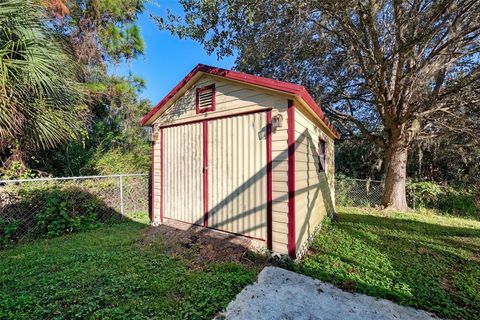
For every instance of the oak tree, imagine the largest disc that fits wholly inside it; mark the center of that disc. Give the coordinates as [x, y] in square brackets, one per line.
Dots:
[391, 71]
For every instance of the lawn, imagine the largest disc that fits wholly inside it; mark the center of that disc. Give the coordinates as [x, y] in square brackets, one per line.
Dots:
[122, 271]
[418, 259]
[112, 273]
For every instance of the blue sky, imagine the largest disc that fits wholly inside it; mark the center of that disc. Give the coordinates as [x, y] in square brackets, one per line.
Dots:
[167, 59]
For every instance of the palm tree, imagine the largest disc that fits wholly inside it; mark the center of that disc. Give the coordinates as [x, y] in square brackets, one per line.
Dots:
[41, 98]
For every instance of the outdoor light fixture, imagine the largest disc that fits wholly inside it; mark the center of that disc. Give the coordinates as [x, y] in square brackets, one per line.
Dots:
[277, 122]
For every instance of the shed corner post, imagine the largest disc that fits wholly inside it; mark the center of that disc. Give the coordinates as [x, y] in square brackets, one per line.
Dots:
[291, 179]
[269, 181]
[161, 176]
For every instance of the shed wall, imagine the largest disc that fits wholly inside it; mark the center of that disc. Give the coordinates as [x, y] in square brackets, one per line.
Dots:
[183, 164]
[314, 189]
[156, 158]
[237, 175]
[234, 98]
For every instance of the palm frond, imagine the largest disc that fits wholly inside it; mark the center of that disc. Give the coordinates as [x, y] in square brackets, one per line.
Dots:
[40, 95]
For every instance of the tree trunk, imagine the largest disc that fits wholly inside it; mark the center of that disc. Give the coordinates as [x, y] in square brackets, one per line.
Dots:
[394, 196]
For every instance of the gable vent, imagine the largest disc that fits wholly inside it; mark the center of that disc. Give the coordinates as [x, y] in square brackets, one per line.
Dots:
[205, 98]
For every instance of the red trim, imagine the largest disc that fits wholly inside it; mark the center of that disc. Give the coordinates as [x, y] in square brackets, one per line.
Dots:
[215, 118]
[152, 185]
[205, 173]
[197, 98]
[291, 179]
[212, 228]
[161, 175]
[290, 88]
[269, 180]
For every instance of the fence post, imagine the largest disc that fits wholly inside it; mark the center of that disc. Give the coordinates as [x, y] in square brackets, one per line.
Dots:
[121, 195]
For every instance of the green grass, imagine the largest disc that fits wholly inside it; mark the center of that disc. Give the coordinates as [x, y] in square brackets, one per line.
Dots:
[421, 260]
[109, 273]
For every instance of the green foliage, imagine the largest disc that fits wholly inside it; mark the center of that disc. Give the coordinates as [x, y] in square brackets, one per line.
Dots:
[102, 31]
[16, 170]
[431, 195]
[357, 158]
[350, 56]
[118, 161]
[109, 273]
[66, 211]
[43, 105]
[41, 98]
[51, 212]
[425, 194]
[452, 159]
[8, 229]
[424, 261]
[115, 142]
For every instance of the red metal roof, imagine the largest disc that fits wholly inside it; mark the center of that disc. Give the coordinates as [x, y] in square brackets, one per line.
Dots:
[289, 88]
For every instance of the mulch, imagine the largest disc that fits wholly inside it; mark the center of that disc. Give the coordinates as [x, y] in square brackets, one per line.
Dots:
[201, 246]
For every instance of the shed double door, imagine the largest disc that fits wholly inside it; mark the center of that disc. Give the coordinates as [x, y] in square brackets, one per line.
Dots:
[215, 174]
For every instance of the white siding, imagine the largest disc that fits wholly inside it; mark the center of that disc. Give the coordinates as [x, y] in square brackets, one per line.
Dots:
[280, 182]
[233, 98]
[182, 168]
[237, 175]
[314, 189]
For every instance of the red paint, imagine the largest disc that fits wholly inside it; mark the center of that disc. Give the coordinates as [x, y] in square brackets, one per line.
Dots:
[197, 98]
[152, 185]
[286, 87]
[205, 173]
[291, 179]
[269, 180]
[215, 118]
[161, 176]
[219, 230]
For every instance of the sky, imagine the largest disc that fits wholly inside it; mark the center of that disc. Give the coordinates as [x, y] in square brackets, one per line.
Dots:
[167, 59]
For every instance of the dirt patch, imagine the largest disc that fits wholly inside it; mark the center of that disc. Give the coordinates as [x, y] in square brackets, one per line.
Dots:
[349, 286]
[201, 246]
[448, 286]
[427, 251]
[475, 259]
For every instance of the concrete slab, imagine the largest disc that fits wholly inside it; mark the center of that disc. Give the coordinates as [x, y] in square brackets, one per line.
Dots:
[283, 294]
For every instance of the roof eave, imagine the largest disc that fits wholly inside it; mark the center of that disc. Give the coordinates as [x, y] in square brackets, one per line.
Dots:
[294, 90]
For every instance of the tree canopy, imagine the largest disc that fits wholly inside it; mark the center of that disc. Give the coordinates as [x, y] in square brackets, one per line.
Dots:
[41, 103]
[392, 72]
[61, 112]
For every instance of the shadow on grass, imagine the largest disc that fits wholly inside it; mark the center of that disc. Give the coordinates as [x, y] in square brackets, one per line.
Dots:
[425, 265]
[117, 272]
[52, 212]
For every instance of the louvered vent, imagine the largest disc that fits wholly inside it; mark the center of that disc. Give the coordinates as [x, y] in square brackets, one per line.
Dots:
[206, 98]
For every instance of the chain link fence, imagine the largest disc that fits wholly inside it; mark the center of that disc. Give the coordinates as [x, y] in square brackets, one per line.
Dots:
[364, 193]
[34, 208]
[425, 194]
[358, 192]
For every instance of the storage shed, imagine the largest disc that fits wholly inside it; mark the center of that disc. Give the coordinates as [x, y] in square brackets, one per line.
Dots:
[243, 154]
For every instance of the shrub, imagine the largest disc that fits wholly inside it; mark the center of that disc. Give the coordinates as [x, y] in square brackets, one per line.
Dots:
[8, 231]
[67, 211]
[117, 161]
[430, 195]
[424, 194]
[52, 212]
[459, 202]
